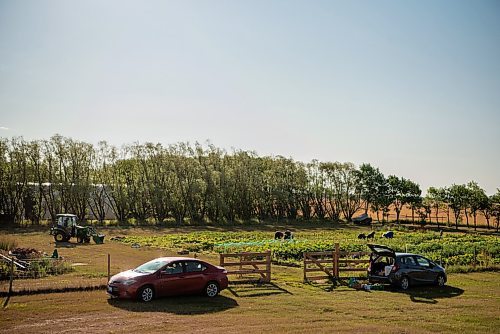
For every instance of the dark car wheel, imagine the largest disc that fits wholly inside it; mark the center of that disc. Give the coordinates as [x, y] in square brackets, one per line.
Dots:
[146, 294]
[59, 237]
[440, 281]
[212, 289]
[404, 283]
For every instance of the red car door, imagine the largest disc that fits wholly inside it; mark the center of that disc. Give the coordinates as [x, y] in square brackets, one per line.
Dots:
[196, 276]
[170, 280]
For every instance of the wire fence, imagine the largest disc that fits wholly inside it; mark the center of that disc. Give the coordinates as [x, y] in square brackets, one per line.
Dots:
[45, 274]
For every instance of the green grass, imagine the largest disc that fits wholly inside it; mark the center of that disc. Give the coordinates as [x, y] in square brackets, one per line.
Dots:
[469, 304]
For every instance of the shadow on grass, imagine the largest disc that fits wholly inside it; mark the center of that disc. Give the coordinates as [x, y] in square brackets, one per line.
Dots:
[430, 294]
[64, 244]
[183, 305]
[249, 289]
[427, 294]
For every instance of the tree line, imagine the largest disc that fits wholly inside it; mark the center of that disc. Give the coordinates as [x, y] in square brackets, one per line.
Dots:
[152, 182]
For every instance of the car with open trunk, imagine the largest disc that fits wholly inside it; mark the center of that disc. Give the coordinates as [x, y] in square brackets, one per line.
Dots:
[403, 269]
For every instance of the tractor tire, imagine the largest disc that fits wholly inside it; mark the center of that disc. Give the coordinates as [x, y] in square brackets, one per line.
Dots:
[86, 240]
[59, 237]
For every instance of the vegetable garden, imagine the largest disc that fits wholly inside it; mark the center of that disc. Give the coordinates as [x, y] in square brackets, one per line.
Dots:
[453, 249]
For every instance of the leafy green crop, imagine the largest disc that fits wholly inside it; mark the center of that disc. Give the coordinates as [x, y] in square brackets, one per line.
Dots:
[452, 249]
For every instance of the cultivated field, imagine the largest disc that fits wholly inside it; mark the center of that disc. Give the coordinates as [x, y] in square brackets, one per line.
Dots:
[469, 303]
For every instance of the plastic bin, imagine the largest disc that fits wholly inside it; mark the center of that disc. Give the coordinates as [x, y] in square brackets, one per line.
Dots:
[98, 238]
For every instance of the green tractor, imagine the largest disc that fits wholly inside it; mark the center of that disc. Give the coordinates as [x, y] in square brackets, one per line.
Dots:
[66, 228]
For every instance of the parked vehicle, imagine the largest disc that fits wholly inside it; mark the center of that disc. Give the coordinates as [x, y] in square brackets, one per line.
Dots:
[66, 227]
[362, 219]
[168, 276]
[403, 269]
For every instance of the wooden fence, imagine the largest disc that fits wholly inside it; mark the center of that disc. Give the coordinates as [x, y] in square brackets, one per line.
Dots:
[330, 264]
[248, 263]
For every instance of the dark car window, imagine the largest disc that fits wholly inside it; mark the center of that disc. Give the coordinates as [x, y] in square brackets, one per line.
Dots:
[193, 266]
[423, 262]
[173, 268]
[408, 260]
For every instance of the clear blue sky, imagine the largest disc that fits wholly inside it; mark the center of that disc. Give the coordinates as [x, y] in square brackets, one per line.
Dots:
[412, 87]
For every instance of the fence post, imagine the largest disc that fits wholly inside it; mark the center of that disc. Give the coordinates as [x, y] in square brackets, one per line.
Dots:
[268, 265]
[10, 282]
[304, 256]
[109, 267]
[11, 275]
[475, 258]
[221, 260]
[336, 265]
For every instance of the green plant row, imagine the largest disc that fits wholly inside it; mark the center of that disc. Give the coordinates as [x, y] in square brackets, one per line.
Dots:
[450, 249]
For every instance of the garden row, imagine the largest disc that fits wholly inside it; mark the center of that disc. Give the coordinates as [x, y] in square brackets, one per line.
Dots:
[454, 249]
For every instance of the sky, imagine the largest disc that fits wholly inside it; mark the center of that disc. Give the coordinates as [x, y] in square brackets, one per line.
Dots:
[411, 87]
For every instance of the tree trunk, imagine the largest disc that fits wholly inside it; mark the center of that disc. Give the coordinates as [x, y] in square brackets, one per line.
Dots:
[487, 217]
[437, 215]
[466, 217]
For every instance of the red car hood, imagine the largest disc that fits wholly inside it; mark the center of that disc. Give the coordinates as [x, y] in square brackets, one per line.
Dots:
[125, 275]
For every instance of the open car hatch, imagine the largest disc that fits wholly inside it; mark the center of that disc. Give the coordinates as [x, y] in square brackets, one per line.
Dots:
[382, 250]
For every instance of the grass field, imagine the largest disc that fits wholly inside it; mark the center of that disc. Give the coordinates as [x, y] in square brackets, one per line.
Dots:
[469, 303]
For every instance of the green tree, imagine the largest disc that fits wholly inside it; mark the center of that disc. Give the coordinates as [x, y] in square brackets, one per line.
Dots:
[345, 189]
[371, 180]
[495, 207]
[435, 199]
[456, 197]
[403, 192]
[477, 200]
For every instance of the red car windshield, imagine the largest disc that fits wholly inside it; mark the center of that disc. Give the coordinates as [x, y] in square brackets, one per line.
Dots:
[151, 266]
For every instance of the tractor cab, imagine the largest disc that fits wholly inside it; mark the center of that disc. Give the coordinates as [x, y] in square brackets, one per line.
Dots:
[66, 221]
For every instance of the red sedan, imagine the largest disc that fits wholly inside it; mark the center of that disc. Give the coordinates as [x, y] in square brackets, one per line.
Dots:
[168, 276]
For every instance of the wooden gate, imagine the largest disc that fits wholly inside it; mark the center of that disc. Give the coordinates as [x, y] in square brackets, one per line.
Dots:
[330, 264]
[248, 263]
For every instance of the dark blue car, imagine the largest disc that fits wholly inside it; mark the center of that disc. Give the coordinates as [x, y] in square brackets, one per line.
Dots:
[403, 269]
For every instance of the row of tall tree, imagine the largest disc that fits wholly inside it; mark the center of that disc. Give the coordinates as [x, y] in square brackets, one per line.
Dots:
[145, 182]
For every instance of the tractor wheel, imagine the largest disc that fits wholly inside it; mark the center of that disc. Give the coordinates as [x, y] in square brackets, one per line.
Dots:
[59, 237]
[86, 240]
